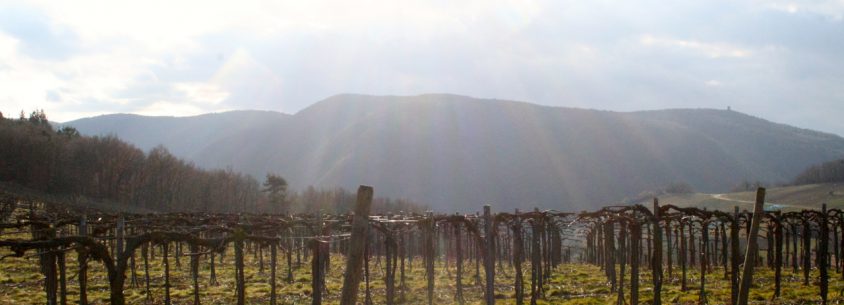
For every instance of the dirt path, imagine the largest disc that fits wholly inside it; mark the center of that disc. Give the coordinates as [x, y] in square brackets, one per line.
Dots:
[725, 198]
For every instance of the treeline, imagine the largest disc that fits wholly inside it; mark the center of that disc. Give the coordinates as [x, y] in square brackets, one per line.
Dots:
[35, 155]
[61, 161]
[832, 171]
[339, 200]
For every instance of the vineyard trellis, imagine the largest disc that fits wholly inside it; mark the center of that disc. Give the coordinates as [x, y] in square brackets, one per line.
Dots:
[613, 238]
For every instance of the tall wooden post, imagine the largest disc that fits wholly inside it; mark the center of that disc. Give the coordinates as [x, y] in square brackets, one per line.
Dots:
[778, 254]
[316, 272]
[734, 257]
[807, 250]
[752, 248]
[683, 254]
[704, 259]
[536, 262]
[489, 260]
[354, 260]
[240, 278]
[459, 262]
[60, 260]
[194, 271]
[724, 255]
[273, 265]
[823, 251]
[668, 246]
[82, 260]
[165, 252]
[635, 246]
[430, 256]
[518, 257]
[657, 255]
[47, 259]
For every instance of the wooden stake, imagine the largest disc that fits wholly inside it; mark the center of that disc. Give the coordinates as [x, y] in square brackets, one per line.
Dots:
[752, 248]
[489, 260]
[354, 260]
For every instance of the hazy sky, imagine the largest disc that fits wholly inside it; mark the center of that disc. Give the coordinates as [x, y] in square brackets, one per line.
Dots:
[781, 60]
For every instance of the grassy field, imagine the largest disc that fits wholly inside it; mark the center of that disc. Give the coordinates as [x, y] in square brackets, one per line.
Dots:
[787, 198]
[21, 283]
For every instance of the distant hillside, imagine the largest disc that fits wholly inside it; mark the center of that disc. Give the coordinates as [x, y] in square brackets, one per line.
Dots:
[457, 152]
[828, 172]
[789, 198]
[183, 136]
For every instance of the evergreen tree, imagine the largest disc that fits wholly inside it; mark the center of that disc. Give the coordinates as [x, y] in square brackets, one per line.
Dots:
[276, 188]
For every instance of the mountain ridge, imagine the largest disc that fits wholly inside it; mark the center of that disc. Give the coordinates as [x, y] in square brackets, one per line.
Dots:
[457, 152]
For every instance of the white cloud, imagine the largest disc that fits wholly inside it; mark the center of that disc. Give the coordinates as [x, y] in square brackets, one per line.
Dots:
[833, 9]
[164, 108]
[713, 83]
[709, 49]
[188, 57]
[202, 93]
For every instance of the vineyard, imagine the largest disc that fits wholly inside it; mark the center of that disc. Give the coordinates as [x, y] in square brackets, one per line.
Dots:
[661, 254]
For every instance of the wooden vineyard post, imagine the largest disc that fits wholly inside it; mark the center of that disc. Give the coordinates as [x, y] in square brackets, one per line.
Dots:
[536, 261]
[145, 253]
[635, 246]
[316, 272]
[60, 260]
[518, 253]
[402, 258]
[354, 260]
[692, 252]
[82, 260]
[807, 249]
[273, 263]
[622, 258]
[778, 254]
[734, 257]
[724, 253]
[289, 254]
[165, 252]
[704, 260]
[609, 254]
[489, 260]
[835, 245]
[657, 255]
[46, 258]
[389, 275]
[60, 264]
[459, 259]
[668, 247]
[238, 266]
[212, 276]
[683, 254]
[133, 267]
[194, 271]
[752, 247]
[823, 250]
[429, 256]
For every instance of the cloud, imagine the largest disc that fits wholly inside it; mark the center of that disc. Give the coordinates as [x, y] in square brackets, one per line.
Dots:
[776, 59]
[202, 93]
[833, 9]
[38, 36]
[164, 108]
[712, 50]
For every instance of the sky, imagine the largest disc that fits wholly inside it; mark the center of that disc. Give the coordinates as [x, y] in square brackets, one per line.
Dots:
[779, 60]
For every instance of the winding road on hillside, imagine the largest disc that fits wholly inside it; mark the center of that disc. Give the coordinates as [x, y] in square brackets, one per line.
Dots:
[725, 198]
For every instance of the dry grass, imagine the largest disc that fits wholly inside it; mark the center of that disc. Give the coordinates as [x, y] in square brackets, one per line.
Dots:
[21, 283]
